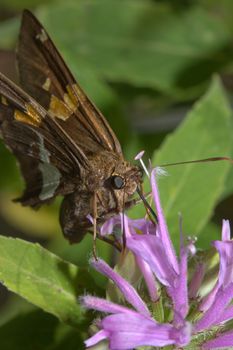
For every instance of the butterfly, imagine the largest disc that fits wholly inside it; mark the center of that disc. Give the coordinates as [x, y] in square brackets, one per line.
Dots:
[62, 142]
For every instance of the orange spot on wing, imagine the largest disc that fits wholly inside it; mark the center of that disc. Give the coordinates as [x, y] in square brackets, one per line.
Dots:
[59, 109]
[30, 117]
[25, 118]
[33, 114]
[71, 97]
[64, 109]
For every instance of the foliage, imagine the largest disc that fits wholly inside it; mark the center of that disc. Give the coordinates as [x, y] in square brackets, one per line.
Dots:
[148, 65]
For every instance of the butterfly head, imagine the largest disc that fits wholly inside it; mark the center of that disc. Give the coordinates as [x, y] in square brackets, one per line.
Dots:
[120, 186]
[127, 180]
[115, 181]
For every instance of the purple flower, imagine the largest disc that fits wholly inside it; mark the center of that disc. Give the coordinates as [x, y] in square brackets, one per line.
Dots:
[185, 317]
[127, 328]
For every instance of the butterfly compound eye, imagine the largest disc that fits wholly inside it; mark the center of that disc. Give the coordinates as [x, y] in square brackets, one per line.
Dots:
[118, 182]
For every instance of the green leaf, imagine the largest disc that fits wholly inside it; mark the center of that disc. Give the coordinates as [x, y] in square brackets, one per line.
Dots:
[38, 330]
[194, 189]
[147, 44]
[34, 330]
[43, 279]
[22, 4]
[69, 338]
[9, 30]
[40, 224]
[9, 175]
[210, 233]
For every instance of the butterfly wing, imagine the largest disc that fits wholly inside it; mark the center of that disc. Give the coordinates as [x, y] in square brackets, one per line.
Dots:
[44, 75]
[54, 138]
[50, 163]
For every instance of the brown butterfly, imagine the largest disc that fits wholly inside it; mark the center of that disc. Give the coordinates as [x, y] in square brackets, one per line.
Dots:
[63, 143]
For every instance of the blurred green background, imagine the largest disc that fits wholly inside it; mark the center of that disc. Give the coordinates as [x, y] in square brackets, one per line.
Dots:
[145, 63]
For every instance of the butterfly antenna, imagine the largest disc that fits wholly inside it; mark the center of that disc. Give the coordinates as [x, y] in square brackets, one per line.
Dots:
[205, 160]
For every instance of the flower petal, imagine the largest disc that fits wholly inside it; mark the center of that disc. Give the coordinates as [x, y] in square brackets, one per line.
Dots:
[102, 305]
[208, 300]
[225, 250]
[210, 317]
[127, 331]
[226, 230]
[149, 278]
[143, 225]
[150, 249]
[125, 287]
[196, 280]
[182, 334]
[222, 341]
[163, 231]
[96, 338]
[226, 315]
[179, 292]
[108, 226]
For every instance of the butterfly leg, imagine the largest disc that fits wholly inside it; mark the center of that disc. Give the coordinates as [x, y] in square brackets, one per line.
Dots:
[94, 213]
